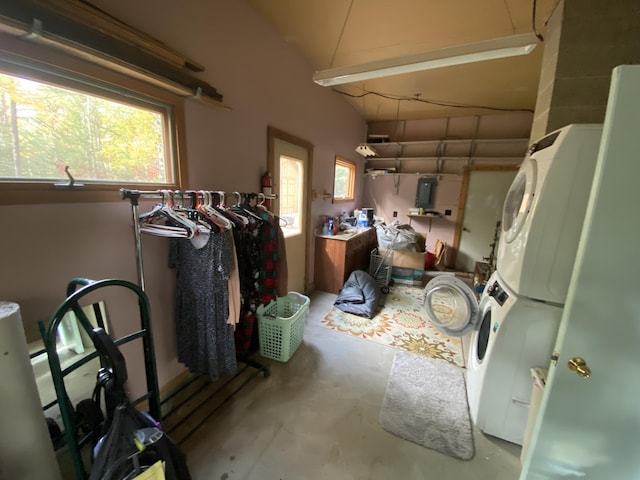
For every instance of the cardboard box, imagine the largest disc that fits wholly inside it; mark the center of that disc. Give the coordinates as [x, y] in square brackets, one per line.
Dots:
[440, 255]
[413, 260]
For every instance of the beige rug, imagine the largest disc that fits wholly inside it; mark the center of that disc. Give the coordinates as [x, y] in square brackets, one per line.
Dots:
[426, 403]
[400, 323]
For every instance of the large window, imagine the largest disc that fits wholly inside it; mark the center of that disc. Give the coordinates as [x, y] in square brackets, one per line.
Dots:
[344, 180]
[45, 128]
[109, 129]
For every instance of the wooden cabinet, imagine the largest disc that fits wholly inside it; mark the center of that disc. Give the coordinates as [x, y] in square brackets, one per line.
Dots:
[336, 257]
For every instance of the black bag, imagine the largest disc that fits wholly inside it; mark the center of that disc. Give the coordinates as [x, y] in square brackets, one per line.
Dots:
[131, 442]
[132, 445]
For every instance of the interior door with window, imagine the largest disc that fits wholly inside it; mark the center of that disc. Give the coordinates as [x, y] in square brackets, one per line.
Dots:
[289, 161]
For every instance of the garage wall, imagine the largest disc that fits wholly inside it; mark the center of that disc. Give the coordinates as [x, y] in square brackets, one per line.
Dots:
[583, 43]
[472, 143]
[264, 81]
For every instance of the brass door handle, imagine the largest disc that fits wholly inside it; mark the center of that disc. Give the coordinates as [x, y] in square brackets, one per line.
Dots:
[578, 365]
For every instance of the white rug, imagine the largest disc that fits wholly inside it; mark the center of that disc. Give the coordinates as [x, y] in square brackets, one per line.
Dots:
[426, 403]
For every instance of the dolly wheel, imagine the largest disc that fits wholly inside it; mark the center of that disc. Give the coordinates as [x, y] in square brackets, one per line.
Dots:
[384, 290]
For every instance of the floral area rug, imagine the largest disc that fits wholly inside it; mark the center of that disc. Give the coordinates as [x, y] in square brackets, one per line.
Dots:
[402, 323]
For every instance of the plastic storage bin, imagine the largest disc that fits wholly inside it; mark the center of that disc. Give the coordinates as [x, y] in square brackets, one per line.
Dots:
[281, 326]
[380, 267]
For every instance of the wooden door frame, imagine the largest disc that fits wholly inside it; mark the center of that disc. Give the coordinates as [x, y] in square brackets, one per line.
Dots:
[464, 190]
[273, 134]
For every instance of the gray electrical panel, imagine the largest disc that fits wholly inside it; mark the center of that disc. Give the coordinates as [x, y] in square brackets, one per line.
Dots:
[426, 192]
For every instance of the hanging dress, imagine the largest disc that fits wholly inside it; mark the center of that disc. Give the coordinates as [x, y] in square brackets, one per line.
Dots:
[247, 242]
[261, 262]
[268, 284]
[204, 339]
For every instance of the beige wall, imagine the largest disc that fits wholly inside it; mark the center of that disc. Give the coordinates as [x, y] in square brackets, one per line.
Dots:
[380, 192]
[584, 41]
[263, 80]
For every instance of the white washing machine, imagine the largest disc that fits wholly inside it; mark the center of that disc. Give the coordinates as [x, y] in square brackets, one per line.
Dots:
[509, 336]
[544, 211]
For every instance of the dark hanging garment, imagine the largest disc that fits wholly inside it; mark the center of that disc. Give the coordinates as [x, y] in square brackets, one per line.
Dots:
[248, 253]
[259, 248]
[268, 286]
[281, 267]
[205, 340]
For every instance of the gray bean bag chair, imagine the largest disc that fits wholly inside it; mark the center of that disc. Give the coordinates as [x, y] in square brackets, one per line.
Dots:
[360, 295]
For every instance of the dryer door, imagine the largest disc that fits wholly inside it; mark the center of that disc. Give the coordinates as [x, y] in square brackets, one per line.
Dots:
[517, 203]
[450, 305]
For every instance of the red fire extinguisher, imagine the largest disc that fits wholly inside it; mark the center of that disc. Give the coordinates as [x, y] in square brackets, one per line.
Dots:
[266, 185]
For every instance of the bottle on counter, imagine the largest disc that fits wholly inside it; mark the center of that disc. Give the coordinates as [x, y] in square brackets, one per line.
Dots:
[363, 221]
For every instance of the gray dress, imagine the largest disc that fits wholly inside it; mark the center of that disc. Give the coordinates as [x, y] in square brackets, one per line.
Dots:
[205, 341]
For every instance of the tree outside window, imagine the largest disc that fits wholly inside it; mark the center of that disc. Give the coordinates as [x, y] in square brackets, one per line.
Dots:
[44, 128]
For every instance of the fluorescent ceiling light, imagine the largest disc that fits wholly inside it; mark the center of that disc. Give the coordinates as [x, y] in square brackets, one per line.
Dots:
[366, 151]
[468, 53]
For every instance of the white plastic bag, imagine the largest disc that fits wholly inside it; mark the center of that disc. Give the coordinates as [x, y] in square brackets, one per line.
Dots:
[396, 236]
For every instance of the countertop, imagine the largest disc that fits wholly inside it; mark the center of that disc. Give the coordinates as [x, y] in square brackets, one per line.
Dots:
[344, 235]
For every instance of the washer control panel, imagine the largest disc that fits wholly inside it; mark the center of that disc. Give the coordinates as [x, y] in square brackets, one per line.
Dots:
[497, 292]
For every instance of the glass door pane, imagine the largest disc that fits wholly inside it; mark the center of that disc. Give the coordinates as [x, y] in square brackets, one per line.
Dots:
[291, 189]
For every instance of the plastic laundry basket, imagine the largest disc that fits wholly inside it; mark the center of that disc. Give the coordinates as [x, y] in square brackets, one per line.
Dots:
[281, 326]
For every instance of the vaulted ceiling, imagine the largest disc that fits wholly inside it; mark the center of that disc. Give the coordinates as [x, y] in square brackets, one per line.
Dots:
[335, 33]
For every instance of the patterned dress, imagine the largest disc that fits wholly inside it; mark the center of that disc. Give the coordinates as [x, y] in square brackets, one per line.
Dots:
[268, 286]
[257, 247]
[248, 252]
[205, 341]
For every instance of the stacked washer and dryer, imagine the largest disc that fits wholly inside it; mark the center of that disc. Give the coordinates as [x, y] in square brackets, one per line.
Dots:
[514, 325]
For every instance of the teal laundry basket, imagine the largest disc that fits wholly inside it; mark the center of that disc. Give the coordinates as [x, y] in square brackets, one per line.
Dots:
[281, 325]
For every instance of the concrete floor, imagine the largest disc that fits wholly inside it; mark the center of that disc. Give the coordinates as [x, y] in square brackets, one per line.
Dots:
[316, 417]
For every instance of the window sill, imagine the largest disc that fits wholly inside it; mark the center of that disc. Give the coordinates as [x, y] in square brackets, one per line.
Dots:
[46, 192]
